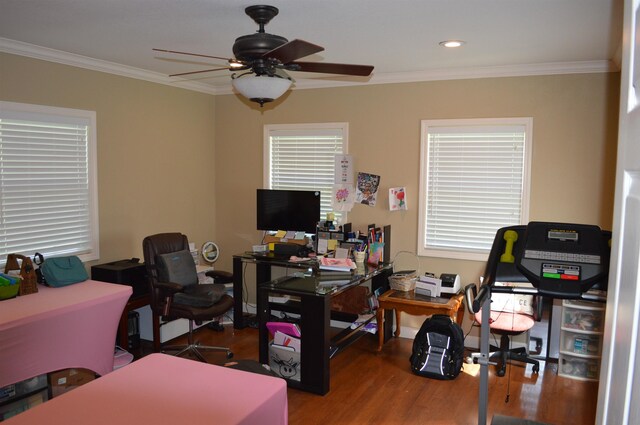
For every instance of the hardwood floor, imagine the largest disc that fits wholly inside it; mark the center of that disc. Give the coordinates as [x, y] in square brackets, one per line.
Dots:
[370, 387]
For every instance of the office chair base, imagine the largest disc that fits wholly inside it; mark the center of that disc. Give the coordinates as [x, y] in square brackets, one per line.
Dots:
[517, 354]
[500, 359]
[195, 348]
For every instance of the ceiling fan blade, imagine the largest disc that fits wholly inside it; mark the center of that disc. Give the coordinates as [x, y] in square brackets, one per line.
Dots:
[332, 68]
[193, 54]
[198, 72]
[293, 50]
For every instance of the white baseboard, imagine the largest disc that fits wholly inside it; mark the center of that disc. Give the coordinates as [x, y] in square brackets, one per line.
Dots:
[471, 342]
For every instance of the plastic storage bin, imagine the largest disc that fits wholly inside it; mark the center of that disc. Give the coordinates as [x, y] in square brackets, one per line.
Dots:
[577, 315]
[579, 368]
[18, 397]
[580, 343]
[581, 339]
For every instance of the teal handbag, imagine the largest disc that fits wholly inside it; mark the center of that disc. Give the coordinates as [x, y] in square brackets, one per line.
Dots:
[63, 271]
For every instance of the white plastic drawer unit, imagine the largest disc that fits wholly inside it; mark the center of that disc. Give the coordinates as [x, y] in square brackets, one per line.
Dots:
[578, 367]
[580, 343]
[583, 316]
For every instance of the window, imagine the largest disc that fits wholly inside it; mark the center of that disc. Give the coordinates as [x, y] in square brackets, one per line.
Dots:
[48, 189]
[302, 157]
[474, 179]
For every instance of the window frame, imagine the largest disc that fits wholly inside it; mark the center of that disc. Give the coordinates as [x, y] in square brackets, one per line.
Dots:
[50, 114]
[462, 253]
[307, 127]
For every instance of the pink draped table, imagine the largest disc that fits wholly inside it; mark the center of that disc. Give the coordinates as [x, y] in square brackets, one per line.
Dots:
[160, 389]
[60, 328]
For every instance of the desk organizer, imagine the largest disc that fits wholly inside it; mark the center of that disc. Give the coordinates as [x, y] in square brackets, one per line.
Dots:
[284, 363]
[24, 266]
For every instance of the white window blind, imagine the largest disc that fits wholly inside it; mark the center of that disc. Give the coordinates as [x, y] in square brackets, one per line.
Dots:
[47, 185]
[302, 157]
[474, 180]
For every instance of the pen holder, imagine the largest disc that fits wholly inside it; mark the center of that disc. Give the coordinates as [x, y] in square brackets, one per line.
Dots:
[360, 256]
[376, 252]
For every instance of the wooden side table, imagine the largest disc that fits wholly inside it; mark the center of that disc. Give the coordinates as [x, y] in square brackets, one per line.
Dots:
[417, 305]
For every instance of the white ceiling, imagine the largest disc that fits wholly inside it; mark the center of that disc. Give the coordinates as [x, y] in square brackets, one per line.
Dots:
[399, 37]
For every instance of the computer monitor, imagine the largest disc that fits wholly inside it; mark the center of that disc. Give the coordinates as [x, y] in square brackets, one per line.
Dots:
[296, 210]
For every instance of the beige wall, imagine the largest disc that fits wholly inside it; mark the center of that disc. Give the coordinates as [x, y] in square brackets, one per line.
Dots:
[574, 140]
[175, 160]
[156, 148]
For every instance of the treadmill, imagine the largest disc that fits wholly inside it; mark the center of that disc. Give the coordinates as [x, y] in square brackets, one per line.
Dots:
[560, 260]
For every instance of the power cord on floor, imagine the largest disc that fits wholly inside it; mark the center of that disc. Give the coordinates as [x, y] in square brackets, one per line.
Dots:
[508, 364]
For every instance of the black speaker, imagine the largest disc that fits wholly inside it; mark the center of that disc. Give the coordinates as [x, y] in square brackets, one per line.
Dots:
[287, 249]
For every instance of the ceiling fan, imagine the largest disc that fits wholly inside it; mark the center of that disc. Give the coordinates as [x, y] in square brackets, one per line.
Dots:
[266, 58]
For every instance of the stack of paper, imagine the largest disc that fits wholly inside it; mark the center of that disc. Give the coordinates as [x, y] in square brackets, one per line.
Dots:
[286, 342]
[286, 336]
[334, 279]
[337, 264]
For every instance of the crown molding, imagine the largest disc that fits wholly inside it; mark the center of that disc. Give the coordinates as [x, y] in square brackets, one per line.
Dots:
[65, 58]
[557, 68]
[586, 67]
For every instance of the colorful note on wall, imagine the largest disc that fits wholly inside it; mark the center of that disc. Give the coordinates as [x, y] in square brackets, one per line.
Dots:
[343, 197]
[343, 169]
[367, 189]
[397, 199]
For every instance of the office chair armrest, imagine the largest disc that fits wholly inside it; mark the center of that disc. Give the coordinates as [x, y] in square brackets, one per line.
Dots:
[220, 276]
[470, 293]
[169, 287]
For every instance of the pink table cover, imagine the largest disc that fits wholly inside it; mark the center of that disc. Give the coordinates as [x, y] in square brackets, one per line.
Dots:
[160, 389]
[59, 328]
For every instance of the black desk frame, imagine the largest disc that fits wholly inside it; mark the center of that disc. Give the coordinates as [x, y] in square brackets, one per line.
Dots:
[263, 275]
[317, 345]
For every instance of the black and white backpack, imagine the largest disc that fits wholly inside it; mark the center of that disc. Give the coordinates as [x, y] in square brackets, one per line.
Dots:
[438, 348]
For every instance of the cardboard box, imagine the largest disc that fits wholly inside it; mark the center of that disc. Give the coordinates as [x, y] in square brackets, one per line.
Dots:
[65, 380]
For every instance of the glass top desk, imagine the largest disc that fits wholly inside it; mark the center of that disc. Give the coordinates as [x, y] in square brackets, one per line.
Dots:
[316, 298]
[263, 264]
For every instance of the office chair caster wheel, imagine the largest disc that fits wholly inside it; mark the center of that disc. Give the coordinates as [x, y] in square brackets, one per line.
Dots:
[500, 372]
[536, 368]
[216, 326]
[229, 354]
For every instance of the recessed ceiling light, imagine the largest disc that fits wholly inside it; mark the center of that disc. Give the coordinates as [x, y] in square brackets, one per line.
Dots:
[451, 43]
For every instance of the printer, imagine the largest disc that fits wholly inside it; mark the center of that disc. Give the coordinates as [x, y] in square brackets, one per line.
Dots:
[450, 283]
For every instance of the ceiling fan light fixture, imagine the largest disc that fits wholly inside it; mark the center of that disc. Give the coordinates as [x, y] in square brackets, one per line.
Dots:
[452, 43]
[260, 88]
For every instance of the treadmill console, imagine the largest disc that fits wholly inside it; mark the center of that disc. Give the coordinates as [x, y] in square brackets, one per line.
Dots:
[564, 260]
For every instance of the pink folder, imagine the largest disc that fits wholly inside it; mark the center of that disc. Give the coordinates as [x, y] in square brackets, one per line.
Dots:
[290, 329]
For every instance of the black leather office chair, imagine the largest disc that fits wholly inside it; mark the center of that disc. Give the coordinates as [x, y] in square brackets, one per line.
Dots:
[508, 321]
[176, 293]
